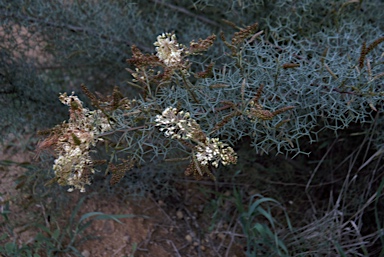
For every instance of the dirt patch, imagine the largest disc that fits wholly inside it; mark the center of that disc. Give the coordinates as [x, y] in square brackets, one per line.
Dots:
[159, 228]
[133, 236]
[25, 44]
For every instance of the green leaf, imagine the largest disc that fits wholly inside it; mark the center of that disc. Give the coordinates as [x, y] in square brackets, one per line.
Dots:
[3, 236]
[44, 228]
[10, 248]
[56, 234]
[103, 216]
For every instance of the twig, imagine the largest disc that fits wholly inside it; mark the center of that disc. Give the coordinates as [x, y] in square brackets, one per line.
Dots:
[162, 210]
[119, 250]
[186, 12]
[120, 130]
[255, 36]
[330, 71]
[232, 235]
[174, 247]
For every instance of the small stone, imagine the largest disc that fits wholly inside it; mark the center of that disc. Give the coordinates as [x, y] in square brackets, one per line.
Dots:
[188, 238]
[195, 243]
[253, 192]
[179, 215]
[202, 247]
[85, 253]
[108, 227]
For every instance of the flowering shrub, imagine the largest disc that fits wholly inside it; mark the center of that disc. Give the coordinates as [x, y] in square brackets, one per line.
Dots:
[203, 113]
[72, 141]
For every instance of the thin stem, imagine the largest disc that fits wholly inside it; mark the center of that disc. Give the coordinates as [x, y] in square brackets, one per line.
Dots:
[186, 83]
[186, 12]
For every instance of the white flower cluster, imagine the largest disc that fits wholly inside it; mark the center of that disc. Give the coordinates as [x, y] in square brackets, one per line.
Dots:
[70, 166]
[176, 124]
[75, 141]
[214, 151]
[179, 125]
[168, 50]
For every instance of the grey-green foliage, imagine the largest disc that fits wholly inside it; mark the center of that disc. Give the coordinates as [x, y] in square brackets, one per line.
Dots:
[321, 100]
[89, 41]
[328, 89]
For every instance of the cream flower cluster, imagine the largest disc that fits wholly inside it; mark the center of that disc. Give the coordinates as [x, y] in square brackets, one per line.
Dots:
[179, 125]
[74, 143]
[213, 151]
[168, 50]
